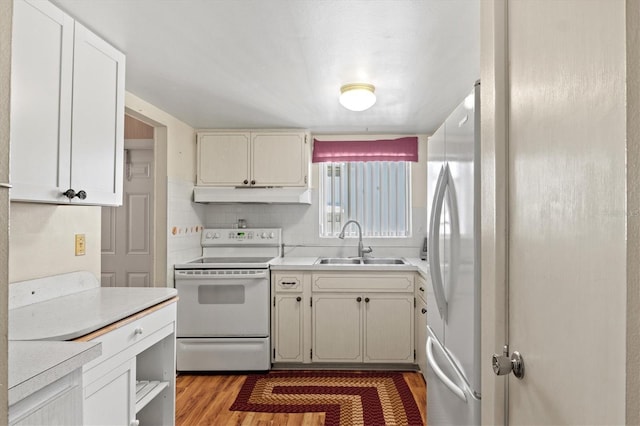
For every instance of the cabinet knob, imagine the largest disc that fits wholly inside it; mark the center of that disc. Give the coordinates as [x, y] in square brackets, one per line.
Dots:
[246, 181]
[81, 194]
[135, 422]
[423, 310]
[366, 300]
[359, 299]
[422, 289]
[298, 298]
[253, 182]
[138, 330]
[69, 193]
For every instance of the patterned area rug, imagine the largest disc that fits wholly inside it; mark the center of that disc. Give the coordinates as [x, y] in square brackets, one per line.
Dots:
[347, 398]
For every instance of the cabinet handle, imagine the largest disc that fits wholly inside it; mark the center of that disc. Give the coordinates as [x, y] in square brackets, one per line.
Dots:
[69, 193]
[253, 182]
[288, 282]
[81, 194]
[423, 310]
[135, 422]
[366, 300]
[245, 181]
[359, 299]
[298, 298]
[422, 289]
[138, 330]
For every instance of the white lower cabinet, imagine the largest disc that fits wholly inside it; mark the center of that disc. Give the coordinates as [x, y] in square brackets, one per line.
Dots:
[362, 327]
[133, 381]
[337, 328]
[421, 323]
[108, 400]
[288, 322]
[343, 317]
[56, 404]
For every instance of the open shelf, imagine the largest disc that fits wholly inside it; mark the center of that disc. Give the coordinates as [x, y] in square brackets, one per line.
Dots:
[146, 390]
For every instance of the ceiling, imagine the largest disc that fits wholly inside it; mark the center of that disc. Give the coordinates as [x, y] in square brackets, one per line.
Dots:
[280, 63]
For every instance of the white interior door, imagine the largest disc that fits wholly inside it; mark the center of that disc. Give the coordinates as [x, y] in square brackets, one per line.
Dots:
[127, 231]
[557, 185]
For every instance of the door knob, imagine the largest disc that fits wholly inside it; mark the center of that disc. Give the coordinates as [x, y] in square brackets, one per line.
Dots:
[505, 364]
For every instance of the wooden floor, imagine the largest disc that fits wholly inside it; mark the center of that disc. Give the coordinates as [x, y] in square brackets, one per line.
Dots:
[204, 399]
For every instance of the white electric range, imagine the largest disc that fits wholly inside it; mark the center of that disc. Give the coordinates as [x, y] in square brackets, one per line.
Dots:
[223, 306]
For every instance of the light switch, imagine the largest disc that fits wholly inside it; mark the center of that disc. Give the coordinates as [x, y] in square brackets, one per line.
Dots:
[80, 245]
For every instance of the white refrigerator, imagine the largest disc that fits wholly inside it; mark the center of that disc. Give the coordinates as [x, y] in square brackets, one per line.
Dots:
[453, 299]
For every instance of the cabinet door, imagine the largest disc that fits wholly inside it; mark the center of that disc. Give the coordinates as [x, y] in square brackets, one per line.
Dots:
[97, 135]
[337, 328]
[388, 328]
[279, 159]
[223, 159]
[41, 78]
[109, 400]
[421, 336]
[288, 328]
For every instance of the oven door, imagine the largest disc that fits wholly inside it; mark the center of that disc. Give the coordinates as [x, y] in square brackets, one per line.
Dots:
[223, 303]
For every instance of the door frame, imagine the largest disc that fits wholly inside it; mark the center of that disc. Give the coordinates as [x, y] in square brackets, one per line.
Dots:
[495, 221]
[159, 225]
[6, 18]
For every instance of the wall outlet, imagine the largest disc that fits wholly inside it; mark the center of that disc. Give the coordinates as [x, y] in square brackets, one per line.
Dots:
[80, 245]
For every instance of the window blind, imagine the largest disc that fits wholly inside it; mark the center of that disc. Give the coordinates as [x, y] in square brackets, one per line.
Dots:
[375, 193]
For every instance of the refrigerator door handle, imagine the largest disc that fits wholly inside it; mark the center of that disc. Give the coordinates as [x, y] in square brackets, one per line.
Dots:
[434, 240]
[443, 377]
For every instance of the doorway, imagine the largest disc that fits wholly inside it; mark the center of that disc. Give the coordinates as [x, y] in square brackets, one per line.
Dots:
[127, 231]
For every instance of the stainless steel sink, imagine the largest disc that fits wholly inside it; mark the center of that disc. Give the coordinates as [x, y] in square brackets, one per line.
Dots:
[383, 261]
[359, 261]
[338, 261]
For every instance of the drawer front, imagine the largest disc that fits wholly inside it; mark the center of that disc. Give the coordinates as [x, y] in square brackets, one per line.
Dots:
[370, 282]
[287, 282]
[132, 333]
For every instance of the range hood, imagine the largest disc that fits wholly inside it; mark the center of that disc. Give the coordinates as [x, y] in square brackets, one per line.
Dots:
[208, 194]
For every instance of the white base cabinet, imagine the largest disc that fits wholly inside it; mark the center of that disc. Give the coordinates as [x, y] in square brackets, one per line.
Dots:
[133, 382]
[343, 317]
[288, 316]
[56, 404]
[421, 324]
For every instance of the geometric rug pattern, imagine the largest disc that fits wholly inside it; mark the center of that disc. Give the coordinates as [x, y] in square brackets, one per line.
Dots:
[346, 398]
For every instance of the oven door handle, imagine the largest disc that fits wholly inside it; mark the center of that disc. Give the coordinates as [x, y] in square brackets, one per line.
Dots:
[222, 274]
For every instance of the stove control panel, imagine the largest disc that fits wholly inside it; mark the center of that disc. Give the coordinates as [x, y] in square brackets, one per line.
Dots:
[245, 236]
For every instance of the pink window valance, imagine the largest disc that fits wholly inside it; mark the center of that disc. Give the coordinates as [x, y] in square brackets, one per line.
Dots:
[401, 149]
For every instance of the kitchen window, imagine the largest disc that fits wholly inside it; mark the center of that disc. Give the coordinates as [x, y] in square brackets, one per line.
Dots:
[375, 193]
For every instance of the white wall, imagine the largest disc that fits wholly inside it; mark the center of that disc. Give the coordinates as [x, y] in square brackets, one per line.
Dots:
[42, 240]
[300, 223]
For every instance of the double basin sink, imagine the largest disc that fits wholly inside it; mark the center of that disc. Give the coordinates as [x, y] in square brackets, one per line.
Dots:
[360, 261]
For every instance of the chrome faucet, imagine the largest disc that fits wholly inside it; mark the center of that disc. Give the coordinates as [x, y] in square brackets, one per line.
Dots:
[361, 249]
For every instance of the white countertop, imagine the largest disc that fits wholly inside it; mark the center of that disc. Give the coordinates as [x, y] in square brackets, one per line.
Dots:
[34, 365]
[308, 264]
[77, 314]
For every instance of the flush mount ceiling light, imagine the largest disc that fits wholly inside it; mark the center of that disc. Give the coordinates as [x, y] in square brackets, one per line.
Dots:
[357, 96]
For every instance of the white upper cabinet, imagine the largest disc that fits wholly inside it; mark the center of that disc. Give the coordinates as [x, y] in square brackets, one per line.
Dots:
[253, 159]
[67, 105]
